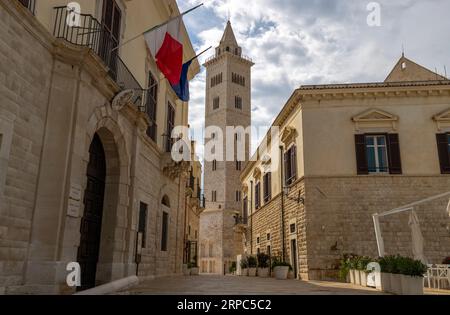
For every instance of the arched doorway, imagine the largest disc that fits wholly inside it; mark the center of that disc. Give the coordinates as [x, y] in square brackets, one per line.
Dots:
[91, 223]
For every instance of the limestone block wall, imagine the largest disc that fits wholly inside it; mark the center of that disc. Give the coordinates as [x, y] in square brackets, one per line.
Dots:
[211, 241]
[339, 218]
[24, 88]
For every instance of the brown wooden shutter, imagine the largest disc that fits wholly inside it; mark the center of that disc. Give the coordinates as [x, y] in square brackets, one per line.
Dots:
[395, 161]
[294, 163]
[361, 156]
[444, 158]
[286, 168]
[270, 185]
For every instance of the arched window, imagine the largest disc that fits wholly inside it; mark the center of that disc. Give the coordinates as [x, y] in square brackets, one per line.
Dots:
[228, 49]
[165, 201]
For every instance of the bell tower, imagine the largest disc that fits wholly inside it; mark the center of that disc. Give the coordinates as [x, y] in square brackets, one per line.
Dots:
[227, 103]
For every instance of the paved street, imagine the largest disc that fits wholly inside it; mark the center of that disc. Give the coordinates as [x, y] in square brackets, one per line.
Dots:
[231, 285]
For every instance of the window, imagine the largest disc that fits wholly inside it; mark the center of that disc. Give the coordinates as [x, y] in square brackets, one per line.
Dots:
[164, 231]
[238, 195]
[238, 166]
[443, 142]
[196, 234]
[111, 33]
[170, 127]
[378, 154]
[189, 230]
[216, 103]
[214, 165]
[290, 165]
[152, 99]
[269, 251]
[216, 80]
[238, 79]
[376, 150]
[258, 240]
[268, 236]
[214, 196]
[258, 196]
[267, 187]
[292, 228]
[143, 222]
[29, 4]
[238, 102]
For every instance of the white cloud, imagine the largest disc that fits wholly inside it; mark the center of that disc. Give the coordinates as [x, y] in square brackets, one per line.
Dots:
[295, 42]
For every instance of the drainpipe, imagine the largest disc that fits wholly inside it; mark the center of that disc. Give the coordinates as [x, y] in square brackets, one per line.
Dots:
[282, 202]
[251, 217]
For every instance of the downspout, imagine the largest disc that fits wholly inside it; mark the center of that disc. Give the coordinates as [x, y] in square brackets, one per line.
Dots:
[282, 203]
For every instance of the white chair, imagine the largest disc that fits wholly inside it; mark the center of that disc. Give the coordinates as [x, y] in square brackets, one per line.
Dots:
[428, 276]
[443, 274]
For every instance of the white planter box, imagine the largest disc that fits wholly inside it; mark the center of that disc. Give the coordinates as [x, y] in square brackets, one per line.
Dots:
[252, 272]
[263, 272]
[363, 278]
[281, 273]
[352, 276]
[412, 285]
[385, 282]
[396, 284]
[244, 272]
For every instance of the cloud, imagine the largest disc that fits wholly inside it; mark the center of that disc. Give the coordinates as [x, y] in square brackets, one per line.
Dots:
[296, 42]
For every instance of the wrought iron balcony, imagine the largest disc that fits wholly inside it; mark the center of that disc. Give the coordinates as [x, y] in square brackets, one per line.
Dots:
[89, 32]
[29, 4]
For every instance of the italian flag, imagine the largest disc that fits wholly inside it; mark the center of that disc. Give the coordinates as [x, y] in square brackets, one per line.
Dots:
[166, 45]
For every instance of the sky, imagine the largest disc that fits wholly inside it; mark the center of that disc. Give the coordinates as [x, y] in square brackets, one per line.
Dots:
[299, 42]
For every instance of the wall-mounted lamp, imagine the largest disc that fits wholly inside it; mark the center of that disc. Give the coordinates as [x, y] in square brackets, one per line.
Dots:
[299, 199]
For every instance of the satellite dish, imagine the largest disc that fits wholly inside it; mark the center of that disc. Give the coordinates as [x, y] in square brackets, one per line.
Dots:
[121, 99]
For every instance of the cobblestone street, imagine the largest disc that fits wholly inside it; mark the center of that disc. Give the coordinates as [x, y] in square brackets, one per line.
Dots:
[231, 285]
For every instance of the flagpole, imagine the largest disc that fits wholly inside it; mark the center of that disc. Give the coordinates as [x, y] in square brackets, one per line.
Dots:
[201, 53]
[156, 27]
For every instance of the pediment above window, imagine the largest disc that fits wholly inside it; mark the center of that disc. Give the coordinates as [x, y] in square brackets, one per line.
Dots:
[443, 120]
[257, 173]
[245, 188]
[375, 120]
[289, 135]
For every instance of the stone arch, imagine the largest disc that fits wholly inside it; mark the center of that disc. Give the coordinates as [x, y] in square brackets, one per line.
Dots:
[165, 201]
[103, 122]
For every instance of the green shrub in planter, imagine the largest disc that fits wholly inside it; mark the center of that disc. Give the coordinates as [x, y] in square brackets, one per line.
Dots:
[263, 260]
[244, 263]
[345, 265]
[252, 262]
[232, 268]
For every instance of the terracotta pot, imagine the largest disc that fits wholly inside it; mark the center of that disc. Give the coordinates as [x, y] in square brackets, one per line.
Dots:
[263, 272]
[411, 285]
[281, 272]
[252, 272]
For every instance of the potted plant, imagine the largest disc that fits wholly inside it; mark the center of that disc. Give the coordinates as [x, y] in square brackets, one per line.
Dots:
[351, 262]
[263, 265]
[244, 266]
[281, 269]
[362, 269]
[386, 266]
[412, 272]
[396, 280]
[194, 269]
[344, 269]
[232, 268]
[252, 265]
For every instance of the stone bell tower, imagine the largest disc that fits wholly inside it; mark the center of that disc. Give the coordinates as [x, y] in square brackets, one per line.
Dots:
[228, 103]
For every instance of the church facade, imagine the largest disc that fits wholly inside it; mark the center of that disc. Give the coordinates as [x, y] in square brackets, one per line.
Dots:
[86, 176]
[228, 104]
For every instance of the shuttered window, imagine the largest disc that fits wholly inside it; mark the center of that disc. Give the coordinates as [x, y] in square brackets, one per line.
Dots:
[152, 98]
[267, 187]
[258, 196]
[143, 222]
[378, 154]
[290, 165]
[170, 126]
[443, 143]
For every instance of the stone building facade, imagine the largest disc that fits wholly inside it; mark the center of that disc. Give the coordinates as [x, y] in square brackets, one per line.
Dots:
[344, 153]
[228, 104]
[86, 176]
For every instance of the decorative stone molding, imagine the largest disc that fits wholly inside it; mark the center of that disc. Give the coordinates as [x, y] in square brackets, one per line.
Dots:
[375, 119]
[289, 135]
[245, 188]
[443, 120]
[174, 170]
[257, 173]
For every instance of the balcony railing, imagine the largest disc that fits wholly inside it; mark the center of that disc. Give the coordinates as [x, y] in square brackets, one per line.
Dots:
[240, 220]
[89, 32]
[29, 4]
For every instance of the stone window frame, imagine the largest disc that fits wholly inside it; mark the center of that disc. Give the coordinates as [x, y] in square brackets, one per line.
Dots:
[293, 222]
[442, 121]
[6, 134]
[375, 121]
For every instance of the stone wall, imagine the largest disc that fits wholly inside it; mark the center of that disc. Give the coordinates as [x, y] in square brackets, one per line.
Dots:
[24, 88]
[339, 218]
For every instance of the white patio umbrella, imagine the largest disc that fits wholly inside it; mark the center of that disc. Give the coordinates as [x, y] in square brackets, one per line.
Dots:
[417, 237]
[448, 208]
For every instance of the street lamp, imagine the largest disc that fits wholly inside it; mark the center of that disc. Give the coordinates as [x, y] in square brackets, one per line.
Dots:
[299, 199]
